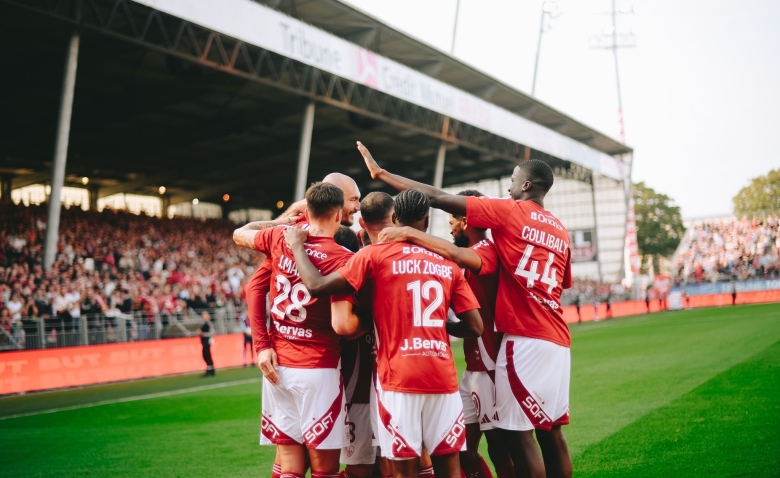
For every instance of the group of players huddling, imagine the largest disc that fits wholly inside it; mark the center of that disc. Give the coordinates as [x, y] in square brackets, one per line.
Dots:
[356, 361]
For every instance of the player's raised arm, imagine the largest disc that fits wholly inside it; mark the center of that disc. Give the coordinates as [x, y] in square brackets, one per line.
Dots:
[316, 283]
[470, 325]
[244, 236]
[439, 199]
[463, 256]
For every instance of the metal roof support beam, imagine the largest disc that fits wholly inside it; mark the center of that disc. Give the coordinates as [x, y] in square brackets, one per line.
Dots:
[304, 151]
[61, 152]
[30, 179]
[5, 188]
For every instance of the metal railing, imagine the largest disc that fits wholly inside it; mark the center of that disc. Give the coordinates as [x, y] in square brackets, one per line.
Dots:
[32, 333]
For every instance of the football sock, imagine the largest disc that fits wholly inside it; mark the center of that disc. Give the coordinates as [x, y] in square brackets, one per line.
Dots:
[426, 472]
[276, 471]
[325, 474]
[346, 474]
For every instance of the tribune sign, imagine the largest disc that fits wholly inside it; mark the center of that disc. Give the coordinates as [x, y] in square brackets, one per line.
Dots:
[267, 28]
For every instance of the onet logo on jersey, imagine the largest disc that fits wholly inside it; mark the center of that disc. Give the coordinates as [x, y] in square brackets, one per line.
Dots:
[546, 220]
[323, 426]
[420, 250]
[316, 254]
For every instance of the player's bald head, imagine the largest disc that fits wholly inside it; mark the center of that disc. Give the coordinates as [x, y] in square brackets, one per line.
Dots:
[341, 181]
[351, 195]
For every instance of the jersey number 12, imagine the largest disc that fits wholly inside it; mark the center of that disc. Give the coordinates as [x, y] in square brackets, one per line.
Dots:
[430, 290]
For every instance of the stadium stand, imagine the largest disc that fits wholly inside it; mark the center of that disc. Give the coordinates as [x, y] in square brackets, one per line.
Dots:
[729, 250]
[117, 277]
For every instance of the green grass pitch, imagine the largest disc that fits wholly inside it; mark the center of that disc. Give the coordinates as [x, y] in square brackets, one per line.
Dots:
[685, 393]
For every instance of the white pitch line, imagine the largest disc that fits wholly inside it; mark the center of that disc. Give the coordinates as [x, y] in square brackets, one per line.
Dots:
[139, 397]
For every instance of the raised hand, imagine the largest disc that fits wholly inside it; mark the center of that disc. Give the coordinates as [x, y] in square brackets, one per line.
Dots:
[393, 234]
[294, 236]
[295, 210]
[372, 165]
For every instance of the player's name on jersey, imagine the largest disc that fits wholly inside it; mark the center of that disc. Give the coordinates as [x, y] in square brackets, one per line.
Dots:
[424, 344]
[287, 266]
[544, 239]
[421, 266]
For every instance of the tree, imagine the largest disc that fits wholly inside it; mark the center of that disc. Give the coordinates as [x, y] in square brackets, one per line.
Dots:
[762, 194]
[659, 226]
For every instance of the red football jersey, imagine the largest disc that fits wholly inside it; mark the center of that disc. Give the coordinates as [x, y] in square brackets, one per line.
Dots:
[481, 352]
[256, 292]
[412, 292]
[535, 257]
[302, 333]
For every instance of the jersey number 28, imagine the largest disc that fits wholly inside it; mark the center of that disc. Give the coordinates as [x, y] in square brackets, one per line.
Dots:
[299, 296]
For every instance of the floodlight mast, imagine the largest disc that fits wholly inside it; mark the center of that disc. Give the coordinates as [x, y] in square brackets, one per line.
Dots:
[550, 11]
[455, 27]
[616, 41]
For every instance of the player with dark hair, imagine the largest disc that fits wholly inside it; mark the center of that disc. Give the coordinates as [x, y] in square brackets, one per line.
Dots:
[345, 237]
[260, 282]
[303, 398]
[476, 254]
[413, 288]
[533, 366]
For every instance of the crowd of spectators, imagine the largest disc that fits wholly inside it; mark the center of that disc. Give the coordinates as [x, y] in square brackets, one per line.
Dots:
[733, 250]
[114, 264]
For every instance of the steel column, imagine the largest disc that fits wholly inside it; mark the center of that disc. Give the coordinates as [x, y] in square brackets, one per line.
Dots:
[595, 237]
[5, 188]
[303, 151]
[61, 152]
[438, 173]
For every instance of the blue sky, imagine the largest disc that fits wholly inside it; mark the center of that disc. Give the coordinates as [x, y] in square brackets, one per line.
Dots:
[701, 91]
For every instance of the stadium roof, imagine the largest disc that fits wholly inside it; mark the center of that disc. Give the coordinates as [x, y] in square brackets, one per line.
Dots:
[150, 111]
[361, 28]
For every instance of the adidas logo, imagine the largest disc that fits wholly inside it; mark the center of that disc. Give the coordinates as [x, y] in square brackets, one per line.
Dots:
[485, 419]
[495, 417]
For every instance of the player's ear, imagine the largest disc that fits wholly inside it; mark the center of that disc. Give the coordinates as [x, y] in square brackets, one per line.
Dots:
[526, 185]
[339, 215]
[464, 223]
[427, 220]
[393, 218]
[362, 224]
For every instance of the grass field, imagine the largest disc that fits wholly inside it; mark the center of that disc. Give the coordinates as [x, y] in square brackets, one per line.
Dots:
[686, 393]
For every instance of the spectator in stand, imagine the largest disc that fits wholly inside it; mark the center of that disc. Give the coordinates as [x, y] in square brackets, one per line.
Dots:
[730, 250]
[122, 264]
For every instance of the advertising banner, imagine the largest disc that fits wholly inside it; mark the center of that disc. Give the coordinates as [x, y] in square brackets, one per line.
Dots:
[30, 370]
[264, 27]
[583, 245]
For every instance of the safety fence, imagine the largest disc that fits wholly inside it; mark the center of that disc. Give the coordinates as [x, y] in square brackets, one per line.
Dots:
[674, 301]
[29, 370]
[33, 333]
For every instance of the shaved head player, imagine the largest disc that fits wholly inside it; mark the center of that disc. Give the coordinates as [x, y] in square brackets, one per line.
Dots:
[533, 365]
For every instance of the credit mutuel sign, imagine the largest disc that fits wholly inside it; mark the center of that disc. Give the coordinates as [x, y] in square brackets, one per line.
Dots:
[264, 27]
